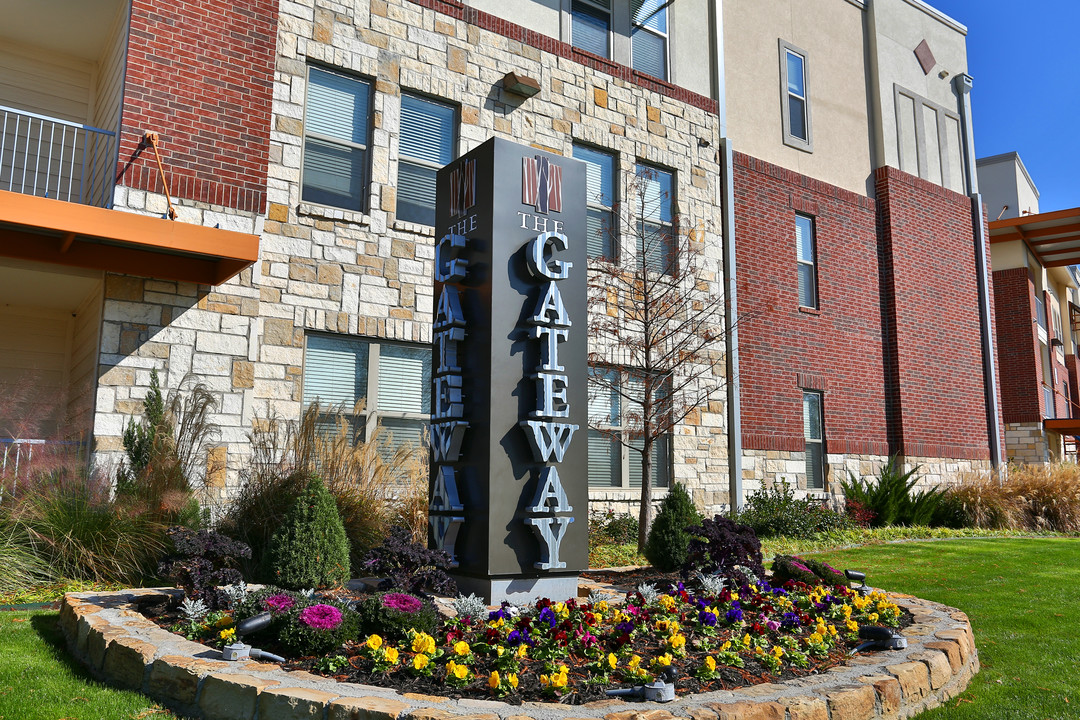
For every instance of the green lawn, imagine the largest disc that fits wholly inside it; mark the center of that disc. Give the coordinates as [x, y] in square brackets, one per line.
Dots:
[1023, 599]
[38, 680]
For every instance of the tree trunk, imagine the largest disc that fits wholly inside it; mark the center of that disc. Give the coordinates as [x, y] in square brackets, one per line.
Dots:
[645, 515]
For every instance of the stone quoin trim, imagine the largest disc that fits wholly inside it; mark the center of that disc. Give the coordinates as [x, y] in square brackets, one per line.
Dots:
[107, 635]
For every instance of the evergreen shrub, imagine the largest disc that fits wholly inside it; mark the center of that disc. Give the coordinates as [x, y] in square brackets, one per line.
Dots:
[775, 511]
[668, 538]
[310, 549]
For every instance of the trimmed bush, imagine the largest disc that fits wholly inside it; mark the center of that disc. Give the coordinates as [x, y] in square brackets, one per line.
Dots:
[775, 511]
[669, 537]
[393, 614]
[310, 549]
[407, 565]
[721, 545]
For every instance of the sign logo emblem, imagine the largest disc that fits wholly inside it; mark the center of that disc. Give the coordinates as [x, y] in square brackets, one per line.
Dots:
[462, 187]
[541, 184]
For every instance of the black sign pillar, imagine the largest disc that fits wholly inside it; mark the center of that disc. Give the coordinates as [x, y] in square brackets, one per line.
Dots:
[509, 425]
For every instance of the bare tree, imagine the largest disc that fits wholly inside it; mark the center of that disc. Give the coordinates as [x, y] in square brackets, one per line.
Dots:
[656, 326]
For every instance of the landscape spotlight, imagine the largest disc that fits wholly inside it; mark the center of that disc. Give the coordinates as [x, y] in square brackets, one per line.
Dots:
[859, 577]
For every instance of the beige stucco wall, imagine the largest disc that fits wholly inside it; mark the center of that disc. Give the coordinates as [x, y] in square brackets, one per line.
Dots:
[831, 33]
[1003, 180]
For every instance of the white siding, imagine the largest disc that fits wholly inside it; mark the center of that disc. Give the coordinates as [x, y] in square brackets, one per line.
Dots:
[45, 83]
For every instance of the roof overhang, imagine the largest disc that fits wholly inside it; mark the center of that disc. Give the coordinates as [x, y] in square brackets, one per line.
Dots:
[64, 233]
[1054, 237]
[1063, 426]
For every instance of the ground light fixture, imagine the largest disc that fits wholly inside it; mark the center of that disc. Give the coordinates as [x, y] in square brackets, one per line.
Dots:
[660, 690]
[859, 577]
[877, 637]
[240, 651]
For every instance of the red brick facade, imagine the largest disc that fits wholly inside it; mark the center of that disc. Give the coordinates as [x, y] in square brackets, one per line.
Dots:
[933, 361]
[1021, 367]
[201, 76]
[783, 349]
[895, 342]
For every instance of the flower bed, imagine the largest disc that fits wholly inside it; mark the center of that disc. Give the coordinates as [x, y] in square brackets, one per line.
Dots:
[706, 636]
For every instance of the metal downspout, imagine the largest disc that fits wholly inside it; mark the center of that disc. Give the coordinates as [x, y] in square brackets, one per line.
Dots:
[963, 84]
[731, 329]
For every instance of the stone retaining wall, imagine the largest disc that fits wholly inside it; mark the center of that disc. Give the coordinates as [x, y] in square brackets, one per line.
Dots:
[106, 633]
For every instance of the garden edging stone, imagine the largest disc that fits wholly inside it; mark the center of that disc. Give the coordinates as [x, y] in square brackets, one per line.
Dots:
[106, 633]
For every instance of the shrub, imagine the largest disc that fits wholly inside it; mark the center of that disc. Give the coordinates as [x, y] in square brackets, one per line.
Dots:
[607, 528]
[407, 565]
[1046, 496]
[826, 572]
[775, 511]
[720, 545]
[789, 567]
[201, 561]
[393, 614]
[310, 548]
[858, 514]
[373, 488]
[668, 538]
[317, 628]
[890, 499]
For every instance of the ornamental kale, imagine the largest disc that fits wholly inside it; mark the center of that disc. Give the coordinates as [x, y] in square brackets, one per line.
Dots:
[321, 617]
[723, 547]
[202, 561]
[405, 564]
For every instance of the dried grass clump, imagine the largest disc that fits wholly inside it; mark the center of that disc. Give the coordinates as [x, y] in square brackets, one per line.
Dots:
[373, 487]
[1033, 497]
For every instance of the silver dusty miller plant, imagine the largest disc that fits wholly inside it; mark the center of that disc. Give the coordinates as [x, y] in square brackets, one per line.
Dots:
[193, 611]
[235, 594]
[649, 593]
[470, 606]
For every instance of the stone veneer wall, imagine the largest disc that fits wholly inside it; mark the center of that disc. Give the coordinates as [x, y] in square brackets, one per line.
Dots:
[1028, 442]
[367, 274]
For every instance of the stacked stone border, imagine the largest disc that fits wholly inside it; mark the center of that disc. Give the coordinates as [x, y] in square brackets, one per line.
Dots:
[107, 634]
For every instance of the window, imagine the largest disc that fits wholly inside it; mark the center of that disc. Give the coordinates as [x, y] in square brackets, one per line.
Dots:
[813, 432]
[374, 382]
[1040, 311]
[795, 97]
[336, 130]
[427, 142]
[654, 204]
[612, 464]
[806, 249]
[590, 26]
[600, 196]
[649, 37]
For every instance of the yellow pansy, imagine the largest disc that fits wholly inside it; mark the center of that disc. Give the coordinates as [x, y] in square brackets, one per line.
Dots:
[601, 607]
[778, 652]
[815, 639]
[710, 663]
[228, 634]
[664, 659]
[512, 678]
[225, 621]
[374, 642]
[461, 672]
[635, 660]
[726, 646]
[612, 661]
[392, 655]
[423, 643]
[872, 617]
[461, 648]
[523, 651]
[420, 661]
[494, 679]
[746, 640]
[851, 625]
[677, 641]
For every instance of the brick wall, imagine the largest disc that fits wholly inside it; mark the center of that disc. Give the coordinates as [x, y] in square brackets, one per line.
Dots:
[201, 76]
[933, 358]
[838, 348]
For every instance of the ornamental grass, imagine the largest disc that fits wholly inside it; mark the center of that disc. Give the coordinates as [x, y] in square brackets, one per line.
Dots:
[1038, 498]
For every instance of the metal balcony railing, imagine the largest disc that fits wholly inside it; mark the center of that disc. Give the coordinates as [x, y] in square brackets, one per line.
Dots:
[49, 157]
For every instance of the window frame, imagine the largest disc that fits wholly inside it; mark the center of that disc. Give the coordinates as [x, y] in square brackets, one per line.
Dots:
[664, 36]
[812, 263]
[790, 139]
[591, 203]
[663, 457]
[363, 424]
[670, 267]
[365, 148]
[620, 34]
[818, 482]
[590, 5]
[455, 145]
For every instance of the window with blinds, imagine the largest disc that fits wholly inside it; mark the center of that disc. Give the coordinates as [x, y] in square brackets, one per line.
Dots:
[655, 203]
[613, 464]
[648, 37]
[806, 253]
[590, 26]
[428, 140]
[600, 225]
[813, 431]
[795, 94]
[373, 384]
[336, 138]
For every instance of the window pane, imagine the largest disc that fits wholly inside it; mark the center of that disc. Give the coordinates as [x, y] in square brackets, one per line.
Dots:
[797, 115]
[807, 286]
[427, 130]
[812, 416]
[333, 174]
[656, 247]
[404, 379]
[815, 468]
[804, 238]
[604, 400]
[648, 53]
[337, 106]
[599, 175]
[335, 371]
[795, 77]
[416, 193]
[398, 432]
[660, 464]
[589, 28]
[604, 453]
[599, 235]
[656, 186]
[650, 13]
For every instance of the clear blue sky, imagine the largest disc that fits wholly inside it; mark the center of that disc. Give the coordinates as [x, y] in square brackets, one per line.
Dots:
[1026, 95]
